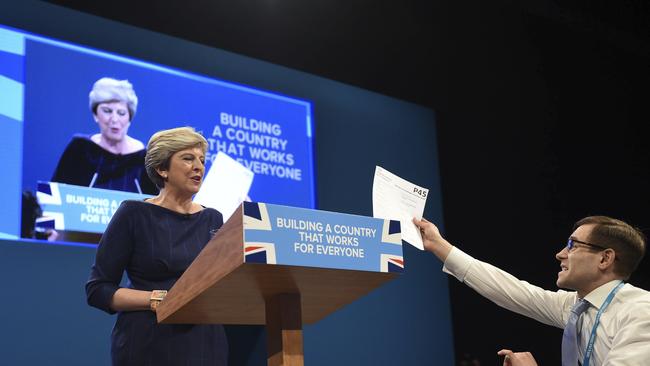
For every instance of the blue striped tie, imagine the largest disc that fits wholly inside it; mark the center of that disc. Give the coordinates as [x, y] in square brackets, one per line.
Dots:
[570, 337]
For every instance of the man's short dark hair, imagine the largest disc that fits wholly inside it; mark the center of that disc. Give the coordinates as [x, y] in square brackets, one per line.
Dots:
[627, 241]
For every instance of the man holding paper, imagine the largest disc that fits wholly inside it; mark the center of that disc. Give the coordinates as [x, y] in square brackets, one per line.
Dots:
[606, 321]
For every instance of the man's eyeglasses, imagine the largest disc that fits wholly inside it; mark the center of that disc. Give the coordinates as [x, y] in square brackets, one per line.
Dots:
[571, 243]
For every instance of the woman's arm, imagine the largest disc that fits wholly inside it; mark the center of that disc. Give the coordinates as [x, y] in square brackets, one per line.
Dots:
[126, 299]
[113, 255]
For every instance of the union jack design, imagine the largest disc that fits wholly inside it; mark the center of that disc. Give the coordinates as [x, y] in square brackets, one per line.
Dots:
[256, 216]
[48, 194]
[392, 232]
[392, 263]
[259, 253]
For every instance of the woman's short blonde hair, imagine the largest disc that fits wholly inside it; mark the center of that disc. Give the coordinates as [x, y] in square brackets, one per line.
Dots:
[163, 144]
[107, 90]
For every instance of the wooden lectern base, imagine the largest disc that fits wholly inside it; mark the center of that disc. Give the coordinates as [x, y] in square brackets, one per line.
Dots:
[284, 330]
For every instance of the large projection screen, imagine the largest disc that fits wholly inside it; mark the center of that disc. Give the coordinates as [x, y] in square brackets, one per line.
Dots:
[45, 85]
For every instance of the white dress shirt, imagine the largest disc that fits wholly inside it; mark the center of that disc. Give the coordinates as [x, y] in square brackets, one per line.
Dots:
[622, 337]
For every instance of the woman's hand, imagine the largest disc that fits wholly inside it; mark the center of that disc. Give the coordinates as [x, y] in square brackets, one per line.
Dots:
[126, 299]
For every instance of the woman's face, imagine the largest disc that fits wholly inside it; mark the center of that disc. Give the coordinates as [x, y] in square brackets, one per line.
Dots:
[113, 120]
[186, 168]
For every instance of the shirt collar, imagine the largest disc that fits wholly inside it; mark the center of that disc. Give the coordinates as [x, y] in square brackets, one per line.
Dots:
[597, 297]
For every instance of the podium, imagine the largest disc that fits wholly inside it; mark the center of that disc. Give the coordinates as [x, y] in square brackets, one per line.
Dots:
[284, 266]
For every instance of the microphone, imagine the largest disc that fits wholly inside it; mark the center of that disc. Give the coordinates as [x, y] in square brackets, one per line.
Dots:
[94, 178]
[92, 181]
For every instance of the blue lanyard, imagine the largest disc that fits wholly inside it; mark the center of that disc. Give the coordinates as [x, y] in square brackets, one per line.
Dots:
[592, 338]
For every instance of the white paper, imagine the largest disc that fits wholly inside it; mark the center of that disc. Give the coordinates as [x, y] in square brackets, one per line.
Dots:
[398, 199]
[225, 186]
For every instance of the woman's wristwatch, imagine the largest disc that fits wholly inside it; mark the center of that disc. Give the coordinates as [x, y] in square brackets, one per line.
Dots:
[156, 297]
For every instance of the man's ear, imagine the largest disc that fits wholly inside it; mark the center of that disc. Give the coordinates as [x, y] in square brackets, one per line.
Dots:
[607, 258]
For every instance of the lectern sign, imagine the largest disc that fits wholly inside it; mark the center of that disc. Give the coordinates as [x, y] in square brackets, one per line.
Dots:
[283, 235]
[76, 208]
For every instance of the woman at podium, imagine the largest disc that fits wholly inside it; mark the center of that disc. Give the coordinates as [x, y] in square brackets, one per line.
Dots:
[154, 241]
[110, 159]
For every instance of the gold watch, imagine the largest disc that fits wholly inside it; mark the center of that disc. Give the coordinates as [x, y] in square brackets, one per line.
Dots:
[156, 297]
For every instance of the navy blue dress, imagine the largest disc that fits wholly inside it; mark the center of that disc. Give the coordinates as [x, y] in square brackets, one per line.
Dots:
[154, 246]
[83, 158]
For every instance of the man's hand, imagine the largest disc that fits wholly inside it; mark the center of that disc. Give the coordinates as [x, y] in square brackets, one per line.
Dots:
[517, 358]
[432, 240]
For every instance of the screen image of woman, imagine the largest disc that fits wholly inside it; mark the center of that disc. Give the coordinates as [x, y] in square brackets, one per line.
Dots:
[154, 241]
[110, 159]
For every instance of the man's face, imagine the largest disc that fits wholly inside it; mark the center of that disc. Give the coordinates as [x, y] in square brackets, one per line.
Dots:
[579, 267]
